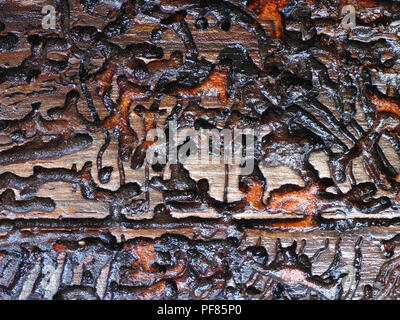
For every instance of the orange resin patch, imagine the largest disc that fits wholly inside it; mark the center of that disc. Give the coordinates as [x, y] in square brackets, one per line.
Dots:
[146, 257]
[385, 105]
[300, 200]
[59, 247]
[104, 82]
[363, 3]
[269, 10]
[303, 223]
[215, 84]
[255, 194]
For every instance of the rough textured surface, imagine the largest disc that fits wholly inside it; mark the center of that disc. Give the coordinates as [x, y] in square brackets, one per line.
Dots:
[85, 216]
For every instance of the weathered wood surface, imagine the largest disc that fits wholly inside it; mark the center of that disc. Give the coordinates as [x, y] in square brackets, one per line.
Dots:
[50, 90]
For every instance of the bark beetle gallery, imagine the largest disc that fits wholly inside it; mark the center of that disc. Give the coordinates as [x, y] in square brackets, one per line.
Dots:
[323, 101]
